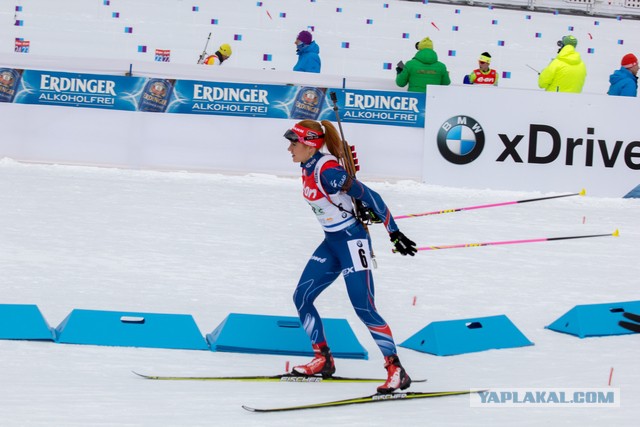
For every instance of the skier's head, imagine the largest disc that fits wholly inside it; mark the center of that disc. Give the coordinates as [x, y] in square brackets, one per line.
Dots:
[484, 60]
[308, 136]
[225, 50]
[485, 57]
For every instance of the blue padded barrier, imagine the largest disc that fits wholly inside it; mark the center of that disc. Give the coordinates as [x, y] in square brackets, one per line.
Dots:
[595, 320]
[451, 337]
[115, 328]
[263, 334]
[23, 322]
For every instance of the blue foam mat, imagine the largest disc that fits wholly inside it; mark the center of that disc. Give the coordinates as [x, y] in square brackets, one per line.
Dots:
[452, 337]
[23, 322]
[130, 329]
[595, 320]
[266, 334]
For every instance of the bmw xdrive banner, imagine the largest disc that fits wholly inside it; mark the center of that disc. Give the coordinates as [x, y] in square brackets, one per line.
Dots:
[160, 95]
[546, 141]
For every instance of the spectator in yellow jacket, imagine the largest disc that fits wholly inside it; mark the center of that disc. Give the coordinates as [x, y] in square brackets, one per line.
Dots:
[567, 72]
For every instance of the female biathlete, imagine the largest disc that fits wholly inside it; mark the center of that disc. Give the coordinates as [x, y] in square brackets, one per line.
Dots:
[346, 248]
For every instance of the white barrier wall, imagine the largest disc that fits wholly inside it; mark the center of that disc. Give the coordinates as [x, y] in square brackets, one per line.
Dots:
[474, 137]
[196, 142]
[187, 142]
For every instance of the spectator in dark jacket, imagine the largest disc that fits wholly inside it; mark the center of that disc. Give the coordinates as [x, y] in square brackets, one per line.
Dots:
[424, 69]
[624, 81]
[308, 53]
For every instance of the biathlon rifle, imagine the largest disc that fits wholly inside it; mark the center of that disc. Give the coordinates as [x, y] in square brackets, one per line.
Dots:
[349, 162]
[204, 51]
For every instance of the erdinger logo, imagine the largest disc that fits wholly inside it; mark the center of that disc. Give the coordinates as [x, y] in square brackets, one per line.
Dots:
[460, 140]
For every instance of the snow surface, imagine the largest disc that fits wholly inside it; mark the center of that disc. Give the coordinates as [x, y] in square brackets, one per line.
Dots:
[208, 245]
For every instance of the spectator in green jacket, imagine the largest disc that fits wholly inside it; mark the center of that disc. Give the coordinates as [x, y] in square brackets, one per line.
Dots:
[567, 72]
[424, 69]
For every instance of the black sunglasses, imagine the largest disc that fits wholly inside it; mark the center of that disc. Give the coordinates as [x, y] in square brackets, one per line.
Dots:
[293, 137]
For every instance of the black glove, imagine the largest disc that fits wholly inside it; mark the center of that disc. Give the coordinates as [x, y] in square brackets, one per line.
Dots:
[399, 70]
[402, 243]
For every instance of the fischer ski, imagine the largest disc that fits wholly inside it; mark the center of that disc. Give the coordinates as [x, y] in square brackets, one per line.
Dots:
[634, 327]
[267, 378]
[374, 398]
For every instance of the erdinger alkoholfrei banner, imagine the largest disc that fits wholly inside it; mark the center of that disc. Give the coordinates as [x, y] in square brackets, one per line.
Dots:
[297, 102]
[91, 91]
[379, 108]
[203, 97]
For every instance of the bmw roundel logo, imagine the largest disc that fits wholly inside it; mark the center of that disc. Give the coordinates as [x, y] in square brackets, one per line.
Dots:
[460, 140]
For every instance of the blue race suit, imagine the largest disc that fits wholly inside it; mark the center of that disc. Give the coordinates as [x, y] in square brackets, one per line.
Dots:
[345, 249]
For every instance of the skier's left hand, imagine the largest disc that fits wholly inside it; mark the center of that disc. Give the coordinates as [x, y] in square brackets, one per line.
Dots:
[403, 244]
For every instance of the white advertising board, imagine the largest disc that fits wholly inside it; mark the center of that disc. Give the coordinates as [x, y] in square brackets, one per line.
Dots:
[487, 137]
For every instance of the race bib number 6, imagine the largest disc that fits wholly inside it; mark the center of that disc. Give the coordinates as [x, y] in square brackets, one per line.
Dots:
[360, 254]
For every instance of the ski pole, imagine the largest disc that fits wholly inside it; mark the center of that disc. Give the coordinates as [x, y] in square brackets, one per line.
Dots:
[533, 68]
[513, 242]
[490, 205]
[204, 51]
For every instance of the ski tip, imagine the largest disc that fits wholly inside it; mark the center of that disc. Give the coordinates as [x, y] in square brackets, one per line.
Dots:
[616, 233]
[249, 408]
[139, 375]
[582, 192]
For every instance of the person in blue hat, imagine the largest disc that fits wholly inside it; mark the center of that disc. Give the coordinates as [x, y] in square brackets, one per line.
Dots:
[308, 53]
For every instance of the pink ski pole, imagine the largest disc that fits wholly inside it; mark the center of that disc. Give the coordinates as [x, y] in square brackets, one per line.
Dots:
[490, 205]
[513, 242]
